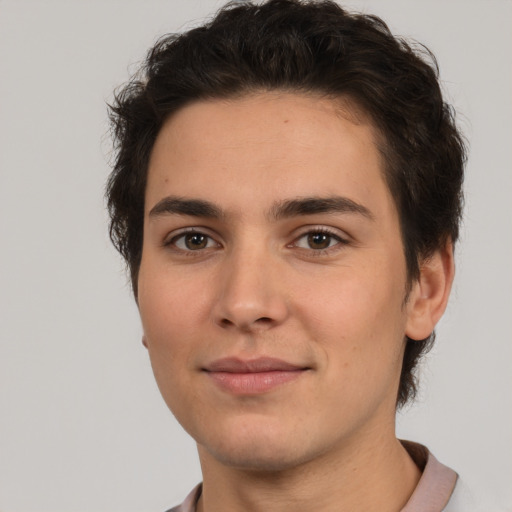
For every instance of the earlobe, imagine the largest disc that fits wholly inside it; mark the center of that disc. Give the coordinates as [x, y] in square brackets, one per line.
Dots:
[429, 295]
[144, 341]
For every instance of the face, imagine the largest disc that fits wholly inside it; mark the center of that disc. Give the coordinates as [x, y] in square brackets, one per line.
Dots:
[273, 278]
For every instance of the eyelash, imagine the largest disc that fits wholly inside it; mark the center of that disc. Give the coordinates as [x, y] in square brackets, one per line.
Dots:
[340, 242]
[172, 242]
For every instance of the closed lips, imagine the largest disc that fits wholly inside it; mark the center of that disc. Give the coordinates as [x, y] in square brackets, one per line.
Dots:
[263, 364]
[252, 377]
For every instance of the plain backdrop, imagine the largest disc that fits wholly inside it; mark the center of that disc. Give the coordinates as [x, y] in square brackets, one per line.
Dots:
[82, 425]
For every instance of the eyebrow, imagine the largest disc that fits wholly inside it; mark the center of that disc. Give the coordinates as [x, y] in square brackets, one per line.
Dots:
[315, 205]
[281, 210]
[180, 206]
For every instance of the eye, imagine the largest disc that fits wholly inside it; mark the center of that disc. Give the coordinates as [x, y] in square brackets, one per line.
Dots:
[193, 241]
[318, 240]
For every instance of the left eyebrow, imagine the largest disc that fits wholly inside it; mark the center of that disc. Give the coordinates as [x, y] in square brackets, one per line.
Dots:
[315, 205]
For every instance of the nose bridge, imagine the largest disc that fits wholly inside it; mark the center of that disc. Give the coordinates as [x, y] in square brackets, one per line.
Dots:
[250, 291]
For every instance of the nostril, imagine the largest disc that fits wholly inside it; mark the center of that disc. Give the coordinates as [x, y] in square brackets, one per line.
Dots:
[264, 320]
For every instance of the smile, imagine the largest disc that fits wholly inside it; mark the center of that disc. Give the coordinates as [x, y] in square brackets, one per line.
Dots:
[254, 376]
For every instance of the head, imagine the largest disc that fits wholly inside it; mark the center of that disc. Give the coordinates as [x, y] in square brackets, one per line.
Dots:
[304, 48]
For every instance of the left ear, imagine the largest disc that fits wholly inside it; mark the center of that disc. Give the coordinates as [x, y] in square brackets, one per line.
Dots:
[430, 292]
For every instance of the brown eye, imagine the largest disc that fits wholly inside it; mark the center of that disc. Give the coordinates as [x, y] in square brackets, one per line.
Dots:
[193, 241]
[319, 240]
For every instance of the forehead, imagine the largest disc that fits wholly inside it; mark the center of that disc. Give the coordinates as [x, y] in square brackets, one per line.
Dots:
[265, 146]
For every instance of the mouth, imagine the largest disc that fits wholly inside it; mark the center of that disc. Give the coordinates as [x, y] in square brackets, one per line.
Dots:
[253, 376]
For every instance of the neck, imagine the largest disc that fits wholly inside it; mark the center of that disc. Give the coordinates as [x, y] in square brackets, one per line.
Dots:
[377, 476]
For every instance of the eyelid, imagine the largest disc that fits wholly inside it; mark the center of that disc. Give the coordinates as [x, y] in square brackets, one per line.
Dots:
[342, 238]
[170, 239]
[319, 228]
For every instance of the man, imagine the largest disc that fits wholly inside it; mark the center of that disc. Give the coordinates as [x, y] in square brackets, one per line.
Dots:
[287, 195]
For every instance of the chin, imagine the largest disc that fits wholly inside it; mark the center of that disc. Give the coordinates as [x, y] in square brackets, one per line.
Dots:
[264, 451]
[258, 460]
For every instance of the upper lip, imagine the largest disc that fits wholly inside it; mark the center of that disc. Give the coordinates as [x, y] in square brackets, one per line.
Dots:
[259, 365]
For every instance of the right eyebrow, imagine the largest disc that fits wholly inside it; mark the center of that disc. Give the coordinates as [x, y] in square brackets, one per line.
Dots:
[193, 207]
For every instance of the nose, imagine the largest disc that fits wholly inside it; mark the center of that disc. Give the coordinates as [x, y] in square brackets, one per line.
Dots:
[251, 293]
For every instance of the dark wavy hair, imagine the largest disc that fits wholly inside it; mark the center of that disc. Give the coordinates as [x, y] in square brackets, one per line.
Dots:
[313, 47]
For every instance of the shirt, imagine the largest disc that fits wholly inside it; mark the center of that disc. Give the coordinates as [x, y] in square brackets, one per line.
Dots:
[437, 490]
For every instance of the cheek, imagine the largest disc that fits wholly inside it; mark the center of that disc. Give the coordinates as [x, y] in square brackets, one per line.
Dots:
[361, 345]
[171, 314]
[358, 324]
[356, 301]
[170, 305]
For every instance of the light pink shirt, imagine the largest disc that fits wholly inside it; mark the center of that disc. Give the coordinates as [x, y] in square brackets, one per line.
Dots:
[432, 494]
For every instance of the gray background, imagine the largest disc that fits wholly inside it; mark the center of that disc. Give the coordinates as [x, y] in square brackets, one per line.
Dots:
[82, 425]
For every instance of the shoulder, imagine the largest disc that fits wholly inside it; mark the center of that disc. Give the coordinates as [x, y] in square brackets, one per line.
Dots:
[441, 489]
[189, 505]
[467, 497]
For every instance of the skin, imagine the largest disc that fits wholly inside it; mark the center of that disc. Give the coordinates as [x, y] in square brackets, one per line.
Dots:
[323, 291]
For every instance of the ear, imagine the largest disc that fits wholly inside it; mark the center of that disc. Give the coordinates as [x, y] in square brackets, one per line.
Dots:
[429, 295]
[144, 341]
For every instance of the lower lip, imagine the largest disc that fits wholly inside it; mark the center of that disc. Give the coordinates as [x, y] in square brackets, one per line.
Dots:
[253, 383]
